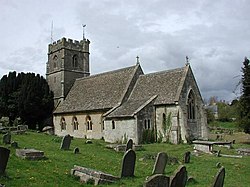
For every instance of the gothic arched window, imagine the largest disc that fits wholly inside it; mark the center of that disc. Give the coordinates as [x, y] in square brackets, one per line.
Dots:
[89, 123]
[63, 123]
[75, 123]
[75, 61]
[55, 61]
[191, 106]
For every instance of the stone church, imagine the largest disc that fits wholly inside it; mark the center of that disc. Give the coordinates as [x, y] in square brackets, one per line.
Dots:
[122, 104]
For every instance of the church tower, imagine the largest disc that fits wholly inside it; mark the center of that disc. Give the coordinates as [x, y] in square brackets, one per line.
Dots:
[67, 61]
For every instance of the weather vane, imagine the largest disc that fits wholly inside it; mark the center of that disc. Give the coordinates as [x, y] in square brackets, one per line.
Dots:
[83, 31]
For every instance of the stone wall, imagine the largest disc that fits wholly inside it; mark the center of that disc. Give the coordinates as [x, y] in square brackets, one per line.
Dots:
[124, 130]
[197, 128]
[82, 132]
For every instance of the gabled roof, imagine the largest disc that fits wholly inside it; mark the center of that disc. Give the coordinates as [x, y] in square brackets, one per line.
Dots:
[97, 92]
[166, 85]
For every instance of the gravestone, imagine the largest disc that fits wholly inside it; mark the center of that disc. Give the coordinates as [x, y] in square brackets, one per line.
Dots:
[157, 180]
[160, 163]
[66, 142]
[76, 150]
[129, 145]
[187, 157]
[14, 144]
[7, 138]
[219, 178]
[180, 177]
[30, 154]
[4, 157]
[218, 153]
[128, 163]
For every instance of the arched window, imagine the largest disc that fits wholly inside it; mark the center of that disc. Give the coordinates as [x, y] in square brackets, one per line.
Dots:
[113, 124]
[89, 123]
[75, 123]
[191, 106]
[75, 61]
[63, 123]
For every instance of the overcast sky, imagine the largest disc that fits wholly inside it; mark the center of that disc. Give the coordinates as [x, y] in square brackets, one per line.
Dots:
[215, 35]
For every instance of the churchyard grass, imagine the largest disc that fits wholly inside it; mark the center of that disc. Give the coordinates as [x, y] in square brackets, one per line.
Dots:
[55, 170]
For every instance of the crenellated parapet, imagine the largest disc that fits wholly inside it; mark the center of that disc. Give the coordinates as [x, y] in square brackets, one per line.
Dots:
[70, 44]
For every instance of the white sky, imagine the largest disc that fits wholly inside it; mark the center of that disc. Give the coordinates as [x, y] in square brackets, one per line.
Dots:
[214, 34]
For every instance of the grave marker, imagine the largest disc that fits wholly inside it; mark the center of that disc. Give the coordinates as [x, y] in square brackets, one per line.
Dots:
[7, 138]
[160, 163]
[66, 142]
[219, 178]
[128, 164]
[157, 180]
[129, 145]
[180, 177]
[187, 157]
[4, 157]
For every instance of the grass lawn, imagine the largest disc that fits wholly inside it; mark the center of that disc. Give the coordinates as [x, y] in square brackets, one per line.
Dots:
[55, 170]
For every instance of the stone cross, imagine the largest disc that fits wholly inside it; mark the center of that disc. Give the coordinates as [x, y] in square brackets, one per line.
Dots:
[180, 177]
[157, 180]
[128, 163]
[129, 145]
[187, 157]
[66, 142]
[7, 138]
[160, 163]
[4, 157]
[219, 179]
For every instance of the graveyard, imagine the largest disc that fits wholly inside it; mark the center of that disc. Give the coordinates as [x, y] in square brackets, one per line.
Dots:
[55, 166]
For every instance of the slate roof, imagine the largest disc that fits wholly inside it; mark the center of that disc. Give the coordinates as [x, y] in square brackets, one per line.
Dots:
[101, 91]
[166, 85]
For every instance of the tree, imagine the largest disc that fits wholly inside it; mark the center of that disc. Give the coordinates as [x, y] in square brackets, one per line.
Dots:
[26, 96]
[244, 108]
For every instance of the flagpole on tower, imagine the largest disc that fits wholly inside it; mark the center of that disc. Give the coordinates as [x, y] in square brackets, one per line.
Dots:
[83, 31]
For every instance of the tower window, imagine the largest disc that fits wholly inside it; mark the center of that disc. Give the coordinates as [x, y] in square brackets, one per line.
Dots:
[55, 61]
[75, 61]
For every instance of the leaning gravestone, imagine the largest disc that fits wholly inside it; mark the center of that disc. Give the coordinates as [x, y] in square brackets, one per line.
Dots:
[157, 180]
[180, 177]
[187, 157]
[4, 157]
[160, 163]
[129, 145]
[7, 138]
[219, 179]
[128, 163]
[66, 142]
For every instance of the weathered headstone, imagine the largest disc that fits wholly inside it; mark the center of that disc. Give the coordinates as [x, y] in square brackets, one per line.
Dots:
[180, 177]
[187, 157]
[7, 138]
[76, 150]
[128, 163]
[14, 144]
[219, 178]
[4, 157]
[160, 163]
[157, 180]
[66, 142]
[129, 145]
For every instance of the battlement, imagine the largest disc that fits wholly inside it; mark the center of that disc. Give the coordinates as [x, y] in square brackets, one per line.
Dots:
[83, 45]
